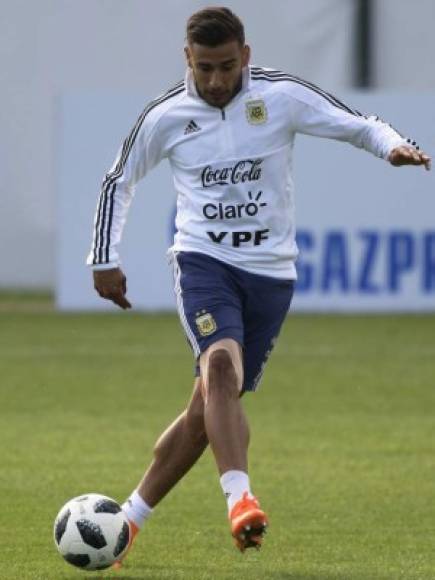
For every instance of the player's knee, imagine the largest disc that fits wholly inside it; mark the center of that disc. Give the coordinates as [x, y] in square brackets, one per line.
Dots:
[222, 376]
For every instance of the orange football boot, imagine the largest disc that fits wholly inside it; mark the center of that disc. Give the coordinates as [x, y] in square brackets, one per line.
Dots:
[248, 523]
[117, 565]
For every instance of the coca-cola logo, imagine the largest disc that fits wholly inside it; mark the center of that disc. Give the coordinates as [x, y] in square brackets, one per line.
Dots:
[242, 171]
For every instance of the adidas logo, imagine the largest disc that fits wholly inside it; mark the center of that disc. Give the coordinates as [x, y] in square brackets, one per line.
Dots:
[192, 127]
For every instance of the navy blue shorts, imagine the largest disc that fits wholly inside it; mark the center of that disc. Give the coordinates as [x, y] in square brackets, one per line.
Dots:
[216, 301]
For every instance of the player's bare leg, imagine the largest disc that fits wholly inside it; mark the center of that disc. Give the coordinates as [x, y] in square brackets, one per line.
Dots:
[215, 406]
[225, 422]
[228, 433]
[176, 450]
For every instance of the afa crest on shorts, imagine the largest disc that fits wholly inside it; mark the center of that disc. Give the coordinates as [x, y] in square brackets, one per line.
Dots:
[256, 112]
[205, 323]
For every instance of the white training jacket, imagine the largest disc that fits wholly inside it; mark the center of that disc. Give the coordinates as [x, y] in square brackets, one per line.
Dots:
[232, 168]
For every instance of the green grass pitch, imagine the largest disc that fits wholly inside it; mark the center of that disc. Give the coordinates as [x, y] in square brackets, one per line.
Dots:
[342, 451]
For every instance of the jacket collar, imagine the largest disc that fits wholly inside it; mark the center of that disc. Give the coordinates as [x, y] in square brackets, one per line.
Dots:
[192, 90]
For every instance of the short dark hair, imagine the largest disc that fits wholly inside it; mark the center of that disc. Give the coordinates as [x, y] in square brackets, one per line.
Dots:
[213, 26]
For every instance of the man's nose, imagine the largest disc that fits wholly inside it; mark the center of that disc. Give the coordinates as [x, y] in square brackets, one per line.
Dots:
[215, 80]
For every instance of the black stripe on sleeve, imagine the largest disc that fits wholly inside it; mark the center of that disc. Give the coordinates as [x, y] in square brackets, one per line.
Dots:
[96, 232]
[102, 226]
[109, 223]
[276, 76]
[129, 142]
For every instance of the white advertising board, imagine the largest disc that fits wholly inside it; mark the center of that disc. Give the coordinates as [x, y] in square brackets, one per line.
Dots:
[366, 229]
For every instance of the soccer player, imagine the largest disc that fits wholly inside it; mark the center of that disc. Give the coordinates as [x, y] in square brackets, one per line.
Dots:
[228, 131]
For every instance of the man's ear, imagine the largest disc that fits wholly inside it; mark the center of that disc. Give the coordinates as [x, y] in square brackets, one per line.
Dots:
[246, 55]
[188, 56]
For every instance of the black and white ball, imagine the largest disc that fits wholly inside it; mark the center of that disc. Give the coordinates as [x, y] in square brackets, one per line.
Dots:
[91, 531]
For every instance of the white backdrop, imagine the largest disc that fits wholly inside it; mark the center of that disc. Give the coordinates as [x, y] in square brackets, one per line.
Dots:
[50, 48]
[367, 230]
[404, 44]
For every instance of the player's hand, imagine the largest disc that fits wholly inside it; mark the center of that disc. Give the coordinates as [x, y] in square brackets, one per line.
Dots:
[409, 156]
[112, 285]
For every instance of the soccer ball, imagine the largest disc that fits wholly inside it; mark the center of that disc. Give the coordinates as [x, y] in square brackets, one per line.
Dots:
[91, 531]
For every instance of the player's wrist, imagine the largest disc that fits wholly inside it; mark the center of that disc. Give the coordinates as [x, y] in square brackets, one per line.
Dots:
[106, 266]
[393, 146]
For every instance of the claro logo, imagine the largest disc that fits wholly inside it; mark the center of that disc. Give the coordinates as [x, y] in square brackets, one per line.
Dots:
[242, 171]
[221, 211]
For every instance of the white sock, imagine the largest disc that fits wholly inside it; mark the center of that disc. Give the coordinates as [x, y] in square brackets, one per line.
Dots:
[234, 484]
[136, 509]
